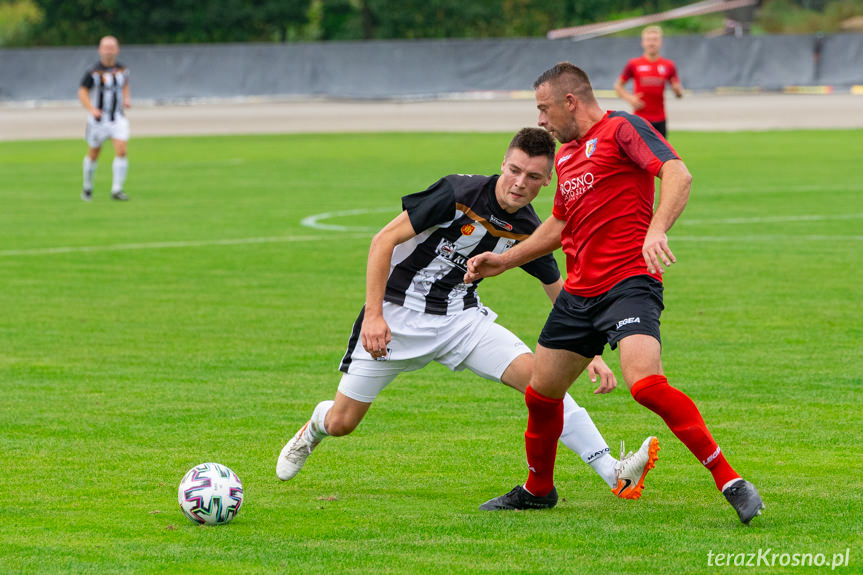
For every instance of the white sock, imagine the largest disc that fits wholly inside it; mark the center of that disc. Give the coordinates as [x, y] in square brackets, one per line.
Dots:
[119, 167]
[316, 430]
[581, 435]
[606, 467]
[89, 170]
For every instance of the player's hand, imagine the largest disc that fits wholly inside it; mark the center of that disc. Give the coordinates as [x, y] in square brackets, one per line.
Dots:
[375, 335]
[656, 252]
[637, 102]
[484, 265]
[127, 103]
[598, 370]
[96, 113]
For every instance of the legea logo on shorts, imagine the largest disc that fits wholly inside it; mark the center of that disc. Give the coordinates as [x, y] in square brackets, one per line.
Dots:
[628, 321]
[574, 188]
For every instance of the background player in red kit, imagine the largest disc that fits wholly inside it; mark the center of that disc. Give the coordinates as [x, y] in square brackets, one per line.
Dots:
[615, 247]
[649, 74]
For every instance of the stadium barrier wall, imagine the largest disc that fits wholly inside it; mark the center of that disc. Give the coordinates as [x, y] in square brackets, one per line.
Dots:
[427, 68]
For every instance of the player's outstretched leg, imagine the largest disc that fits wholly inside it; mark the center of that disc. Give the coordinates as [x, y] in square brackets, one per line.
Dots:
[581, 436]
[297, 450]
[743, 496]
[633, 468]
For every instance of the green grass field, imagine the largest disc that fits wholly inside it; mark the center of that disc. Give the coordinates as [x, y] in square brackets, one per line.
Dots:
[202, 322]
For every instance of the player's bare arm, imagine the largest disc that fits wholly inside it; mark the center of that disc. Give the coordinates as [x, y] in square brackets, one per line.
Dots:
[552, 290]
[676, 182]
[84, 98]
[630, 98]
[677, 87]
[545, 239]
[375, 331]
[127, 95]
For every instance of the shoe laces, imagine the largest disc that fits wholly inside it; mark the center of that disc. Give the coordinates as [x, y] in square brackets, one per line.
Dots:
[623, 455]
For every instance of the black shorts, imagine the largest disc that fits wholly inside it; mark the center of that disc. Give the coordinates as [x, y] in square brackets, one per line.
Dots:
[584, 324]
[660, 127]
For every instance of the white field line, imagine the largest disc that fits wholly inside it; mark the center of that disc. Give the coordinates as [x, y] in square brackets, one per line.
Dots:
[314, 221]
[170, 245]
[766, 238]
[361, 232]
[770, 219]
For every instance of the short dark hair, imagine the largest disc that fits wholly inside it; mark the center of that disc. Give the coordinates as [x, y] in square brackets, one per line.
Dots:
[566, 78]
[533, 142]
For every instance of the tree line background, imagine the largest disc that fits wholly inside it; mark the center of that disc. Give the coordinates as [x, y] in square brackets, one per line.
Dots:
[82, 22]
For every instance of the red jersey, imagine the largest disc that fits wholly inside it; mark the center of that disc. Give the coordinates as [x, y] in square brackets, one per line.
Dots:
[649, 78]
[605, 190]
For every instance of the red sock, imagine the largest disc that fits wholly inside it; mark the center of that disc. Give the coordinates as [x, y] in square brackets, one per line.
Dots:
[544, 426]
[685, 421]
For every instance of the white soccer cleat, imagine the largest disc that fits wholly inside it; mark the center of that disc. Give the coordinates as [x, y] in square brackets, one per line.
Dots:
[632, 469]
[294, 455]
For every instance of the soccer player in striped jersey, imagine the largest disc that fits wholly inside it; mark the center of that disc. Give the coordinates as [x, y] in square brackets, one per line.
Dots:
[108, 80]
[419, 310]
[615, 245]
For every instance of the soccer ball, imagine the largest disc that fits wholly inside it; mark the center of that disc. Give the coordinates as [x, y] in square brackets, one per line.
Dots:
[210, 494]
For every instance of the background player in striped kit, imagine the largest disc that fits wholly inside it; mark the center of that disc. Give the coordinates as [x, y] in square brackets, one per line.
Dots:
[418, 309]
[109, 82]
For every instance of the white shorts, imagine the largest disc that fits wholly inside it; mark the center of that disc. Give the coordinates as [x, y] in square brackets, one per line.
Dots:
[470, 339]
[98, 132]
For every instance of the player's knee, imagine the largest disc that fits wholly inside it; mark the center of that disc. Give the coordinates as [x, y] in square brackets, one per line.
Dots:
[518, 373]
[340, 424]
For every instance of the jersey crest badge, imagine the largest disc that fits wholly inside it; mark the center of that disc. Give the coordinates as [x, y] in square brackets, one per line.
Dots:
[467, 229]
[590, 147]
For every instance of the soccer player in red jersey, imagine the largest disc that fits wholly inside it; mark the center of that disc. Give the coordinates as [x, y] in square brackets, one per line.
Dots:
[615, 246]
[649, 74]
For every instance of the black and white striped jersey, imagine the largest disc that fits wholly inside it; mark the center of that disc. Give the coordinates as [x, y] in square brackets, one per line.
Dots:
[106, 88]
[455, 219]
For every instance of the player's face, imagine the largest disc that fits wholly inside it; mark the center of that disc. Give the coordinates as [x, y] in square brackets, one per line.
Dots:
[651, 42]
[108, 49]
[521, 178]
[554, 115]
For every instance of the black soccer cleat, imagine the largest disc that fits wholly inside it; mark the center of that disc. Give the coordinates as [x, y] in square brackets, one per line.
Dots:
[744, 498]
[86, 194]
[119, 196]
[520, 498]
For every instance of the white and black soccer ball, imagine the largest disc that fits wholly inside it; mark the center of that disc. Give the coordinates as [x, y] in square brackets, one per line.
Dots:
[210, 494]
